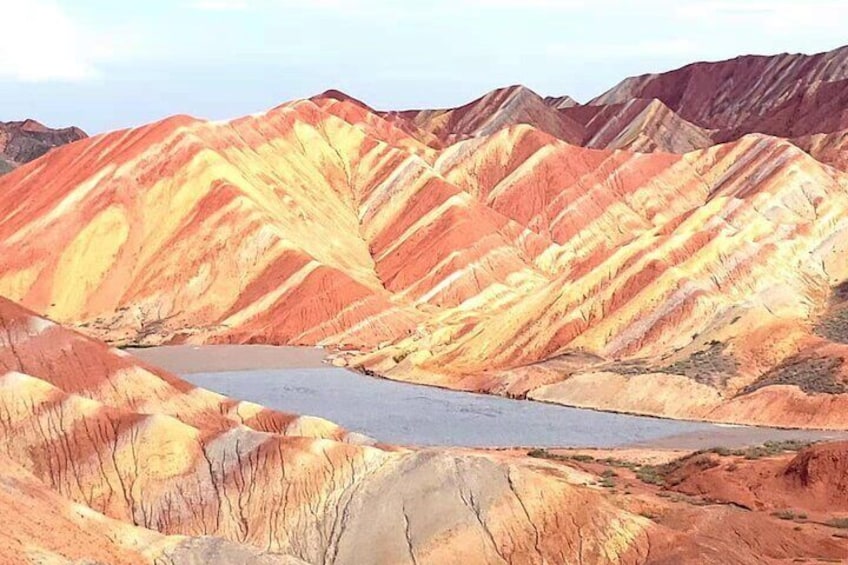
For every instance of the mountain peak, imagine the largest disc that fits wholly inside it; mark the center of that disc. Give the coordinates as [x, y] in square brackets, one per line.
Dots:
[23, 141]
[560, 102]
[333, 94]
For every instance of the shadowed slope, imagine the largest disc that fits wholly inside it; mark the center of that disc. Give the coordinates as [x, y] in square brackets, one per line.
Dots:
[644, 126]
[560, 102]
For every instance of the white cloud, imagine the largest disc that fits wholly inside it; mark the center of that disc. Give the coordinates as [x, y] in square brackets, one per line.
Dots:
[523, 4]
[386, 8]
[42, 42]
[774, 16]
[241, 5]
[221, 5]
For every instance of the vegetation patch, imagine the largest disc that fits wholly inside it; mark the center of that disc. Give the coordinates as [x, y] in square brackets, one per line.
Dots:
[612, 462]
[841, 523]
[810, 374]
[545, 454]
[833, 324]
[768, 449]
[658, 475]
[628, 368]
[709, 367]
[651, 474]
[582, 458]
[400, 356]
[607, 482]
[788, 515]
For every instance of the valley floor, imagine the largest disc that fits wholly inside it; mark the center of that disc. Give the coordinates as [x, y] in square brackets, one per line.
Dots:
[298, 380]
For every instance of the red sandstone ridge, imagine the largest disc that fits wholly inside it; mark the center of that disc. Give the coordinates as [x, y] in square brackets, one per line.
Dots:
[21, 142]
[790, 96]
[486, 115]
[561, 102]
[829, 148]
[785, 95]
[639, 125]
[812, 482]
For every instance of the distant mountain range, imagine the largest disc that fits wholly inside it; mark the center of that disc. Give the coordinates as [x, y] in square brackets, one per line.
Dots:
[21, 142]
[675, 247]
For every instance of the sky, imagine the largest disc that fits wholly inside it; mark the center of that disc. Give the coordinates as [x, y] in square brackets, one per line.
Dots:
[104, 65]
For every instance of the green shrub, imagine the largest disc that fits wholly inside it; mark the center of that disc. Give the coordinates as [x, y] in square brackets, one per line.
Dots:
[784, 514]
[650, 474]
[838, 523]
[613, 462]
[398, 357]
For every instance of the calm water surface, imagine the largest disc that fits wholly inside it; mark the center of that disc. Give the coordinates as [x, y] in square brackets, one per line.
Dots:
[408, 414]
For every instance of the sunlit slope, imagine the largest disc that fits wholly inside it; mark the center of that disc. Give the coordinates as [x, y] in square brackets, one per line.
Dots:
[291, 226]
[654, 254]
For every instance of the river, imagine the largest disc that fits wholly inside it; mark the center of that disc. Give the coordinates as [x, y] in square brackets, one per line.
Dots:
[402, 413]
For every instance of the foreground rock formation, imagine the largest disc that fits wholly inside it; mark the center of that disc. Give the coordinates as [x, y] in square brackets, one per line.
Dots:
[124, 443]
[484, 248]
[22, 142]
[106, 458]
[751, 502]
